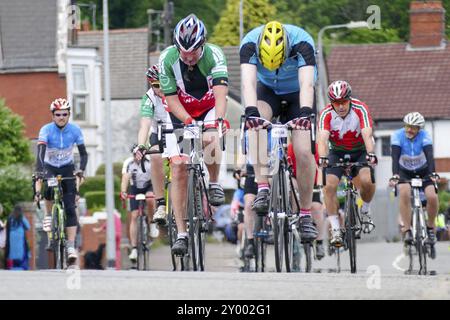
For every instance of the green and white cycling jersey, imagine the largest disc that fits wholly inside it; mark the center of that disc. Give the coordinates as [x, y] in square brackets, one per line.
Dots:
[153, 106]
[193, 84]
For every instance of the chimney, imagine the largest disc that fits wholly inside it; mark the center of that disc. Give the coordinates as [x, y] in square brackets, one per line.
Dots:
[427, 24]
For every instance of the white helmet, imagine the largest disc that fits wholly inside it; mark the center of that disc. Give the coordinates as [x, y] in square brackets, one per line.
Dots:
[59, 104]
[414, 119]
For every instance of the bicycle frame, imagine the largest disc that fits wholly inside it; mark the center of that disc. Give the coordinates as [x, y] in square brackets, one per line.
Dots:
[418, 227]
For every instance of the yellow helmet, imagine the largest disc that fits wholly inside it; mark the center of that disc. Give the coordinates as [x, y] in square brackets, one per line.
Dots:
[272, 45]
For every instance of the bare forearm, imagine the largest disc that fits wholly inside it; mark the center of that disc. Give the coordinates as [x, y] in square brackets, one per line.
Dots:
[306, 82]
[124, 184]
[248, 73]
[323, 143]
[144, 130]
[368, 139]
[220, 94]
[177, 108]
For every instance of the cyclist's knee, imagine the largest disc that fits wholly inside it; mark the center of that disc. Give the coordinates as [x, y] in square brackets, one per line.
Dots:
[178, 169]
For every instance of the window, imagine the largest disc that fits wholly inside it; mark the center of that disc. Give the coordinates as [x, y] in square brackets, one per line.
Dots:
[80, 93]
[386, 146]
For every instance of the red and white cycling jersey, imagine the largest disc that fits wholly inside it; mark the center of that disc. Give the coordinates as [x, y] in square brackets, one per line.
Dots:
[345, 133]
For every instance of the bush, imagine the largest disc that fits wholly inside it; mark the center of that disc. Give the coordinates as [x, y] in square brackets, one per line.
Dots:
[98, 183]
[444, 200]
[117, 169]
[15, 186]
[97, 199]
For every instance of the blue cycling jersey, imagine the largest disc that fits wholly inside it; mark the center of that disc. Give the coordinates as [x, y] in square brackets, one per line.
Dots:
[412, 156]
[300, 53]
[59, 151]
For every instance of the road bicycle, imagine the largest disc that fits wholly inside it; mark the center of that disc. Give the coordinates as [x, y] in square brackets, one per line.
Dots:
[57, 237]
[143, 231]
[419, 244]
[199, 213]
[281, 215]
[353, 224]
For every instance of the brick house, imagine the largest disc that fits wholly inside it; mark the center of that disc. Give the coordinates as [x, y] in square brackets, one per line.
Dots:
[30, 76]
[397, 78]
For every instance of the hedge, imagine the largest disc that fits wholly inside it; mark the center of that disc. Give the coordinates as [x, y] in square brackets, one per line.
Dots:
[97, 183]
[96, 199]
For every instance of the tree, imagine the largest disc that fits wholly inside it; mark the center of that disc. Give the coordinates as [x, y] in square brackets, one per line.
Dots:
[256, 12]
[15, 187]
[14, 150]
[14, 147]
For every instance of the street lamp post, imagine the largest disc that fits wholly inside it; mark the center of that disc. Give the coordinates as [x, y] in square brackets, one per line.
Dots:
[110, 227]
[323, 77]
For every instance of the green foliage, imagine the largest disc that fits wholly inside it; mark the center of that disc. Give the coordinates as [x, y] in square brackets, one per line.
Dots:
[444, 200]
[117, 169]
[312, 15]
[14, 147]
[256, 12]
[15, 186]
[96, 200]
[207, 11]
[97, 183]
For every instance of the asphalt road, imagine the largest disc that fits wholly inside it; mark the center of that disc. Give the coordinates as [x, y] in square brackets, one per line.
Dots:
[380, 276]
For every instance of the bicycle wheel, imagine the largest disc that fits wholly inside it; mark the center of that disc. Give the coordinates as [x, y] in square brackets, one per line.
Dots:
[275, 208]
[293, 249]
[259, 244]
[141, 243]
[195, 221]
[172, 232]
[307, 248]
[58, 237]
[421, 249]
[350, 222]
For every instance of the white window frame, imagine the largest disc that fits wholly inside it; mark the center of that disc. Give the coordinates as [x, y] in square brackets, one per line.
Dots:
[78, 93]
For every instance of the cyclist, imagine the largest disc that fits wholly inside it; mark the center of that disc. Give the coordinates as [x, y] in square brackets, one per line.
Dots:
[278, 63]
[346, 124]
[194, 80]
[412, 155]
[140, 183]
[153, 106]
[55, 157]
[317, 207]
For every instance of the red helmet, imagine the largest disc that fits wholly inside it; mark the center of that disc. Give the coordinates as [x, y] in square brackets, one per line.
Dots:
[339, 90]
[153, 73]
[59, 104]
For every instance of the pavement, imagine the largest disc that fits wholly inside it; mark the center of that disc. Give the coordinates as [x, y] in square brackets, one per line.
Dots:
[380, 276]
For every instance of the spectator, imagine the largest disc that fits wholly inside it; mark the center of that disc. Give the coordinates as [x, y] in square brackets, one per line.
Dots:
[17, 251]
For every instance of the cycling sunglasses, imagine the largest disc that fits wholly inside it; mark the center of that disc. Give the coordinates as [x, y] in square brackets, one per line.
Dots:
[58, 115]
[155, 84]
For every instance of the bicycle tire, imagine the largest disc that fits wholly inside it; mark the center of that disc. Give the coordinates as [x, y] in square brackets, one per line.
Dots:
[421, 250]
[172, 232]
[278, 221]
[141, 243]
[58, 237]
[195, 221]
[201, 241]
[259, 256]
[294, 246]
[350, 222]
[307, 248]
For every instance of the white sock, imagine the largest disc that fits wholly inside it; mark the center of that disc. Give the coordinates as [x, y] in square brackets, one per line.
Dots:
[365, 207]
[182, 235]
[334, 221]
